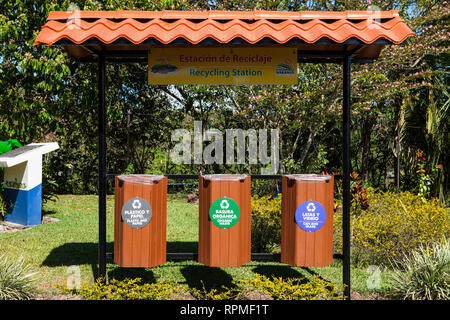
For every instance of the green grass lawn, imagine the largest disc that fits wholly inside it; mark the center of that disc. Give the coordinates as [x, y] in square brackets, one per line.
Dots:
[51, 248]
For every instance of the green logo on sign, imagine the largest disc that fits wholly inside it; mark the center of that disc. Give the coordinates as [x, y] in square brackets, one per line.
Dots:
[224, 213]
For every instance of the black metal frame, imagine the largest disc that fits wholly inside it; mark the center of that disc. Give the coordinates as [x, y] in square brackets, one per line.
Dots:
[344, 58]
[346, 175]
[102, 167]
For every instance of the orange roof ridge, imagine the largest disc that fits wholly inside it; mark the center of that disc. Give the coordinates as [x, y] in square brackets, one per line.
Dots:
[313, 34]
[214, 14]
[140, 26]
[251, 27]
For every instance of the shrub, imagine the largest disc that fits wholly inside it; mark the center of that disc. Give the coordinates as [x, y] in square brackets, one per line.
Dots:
[223, 293]
[127, 289]
[292, 289]
[263, 188]
[425, 274]
[337, 227]
[266, 223]
[394, 224]
[16, 279]
[277, 288]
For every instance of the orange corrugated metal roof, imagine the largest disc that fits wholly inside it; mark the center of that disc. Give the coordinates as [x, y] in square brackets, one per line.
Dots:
[221, 27]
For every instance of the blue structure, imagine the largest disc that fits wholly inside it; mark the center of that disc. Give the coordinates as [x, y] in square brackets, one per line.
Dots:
[23, 182]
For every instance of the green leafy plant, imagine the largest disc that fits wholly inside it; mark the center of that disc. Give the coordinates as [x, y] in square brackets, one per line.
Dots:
[292, 289]
[424, 274]
[127, 289]
[266, 223]
[277, 288]
[394, 224]
[426, 178]
[3, 210]
[223, 293]
[6, 146]
[16, 279]
[359, 199]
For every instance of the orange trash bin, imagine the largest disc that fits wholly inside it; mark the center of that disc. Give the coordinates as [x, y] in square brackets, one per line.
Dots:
[140, 220]
[224, 220]
[307, 220]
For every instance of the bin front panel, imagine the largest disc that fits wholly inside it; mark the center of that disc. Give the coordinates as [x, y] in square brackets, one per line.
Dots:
[300, 247]
[218, 246]
[141, 246]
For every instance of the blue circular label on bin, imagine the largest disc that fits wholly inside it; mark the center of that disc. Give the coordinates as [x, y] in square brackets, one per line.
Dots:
[310, 216]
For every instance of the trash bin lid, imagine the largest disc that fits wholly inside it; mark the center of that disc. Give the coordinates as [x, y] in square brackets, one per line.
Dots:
[140, 178]
[225, 177]
[309, 177]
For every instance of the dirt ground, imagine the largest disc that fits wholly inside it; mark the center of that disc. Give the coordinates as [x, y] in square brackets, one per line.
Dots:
[8, 227]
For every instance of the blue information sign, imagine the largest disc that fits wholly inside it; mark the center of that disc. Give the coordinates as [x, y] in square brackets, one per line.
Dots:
[310, 216]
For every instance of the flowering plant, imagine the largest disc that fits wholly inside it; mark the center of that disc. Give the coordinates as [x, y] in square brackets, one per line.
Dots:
[426, 178]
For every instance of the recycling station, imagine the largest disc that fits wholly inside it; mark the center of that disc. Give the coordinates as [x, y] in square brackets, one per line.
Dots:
[130, 36]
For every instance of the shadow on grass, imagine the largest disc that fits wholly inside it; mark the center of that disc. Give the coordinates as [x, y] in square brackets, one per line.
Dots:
[278, 271]
[204, 277]
[314, 273]
[197, 276]
[48, 212]
[182, 246]
[76, 253]
[86, 253]
[120, 273]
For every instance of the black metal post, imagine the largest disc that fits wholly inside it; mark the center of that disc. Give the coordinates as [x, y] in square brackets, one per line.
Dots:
[346, 176]
[101, 167]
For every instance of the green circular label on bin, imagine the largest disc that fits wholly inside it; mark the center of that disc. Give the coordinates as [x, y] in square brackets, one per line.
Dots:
[224, 213]
[136, 213]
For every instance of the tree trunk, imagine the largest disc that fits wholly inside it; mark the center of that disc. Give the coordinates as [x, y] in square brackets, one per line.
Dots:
[128, 136]
[366, 132]
[311, 137]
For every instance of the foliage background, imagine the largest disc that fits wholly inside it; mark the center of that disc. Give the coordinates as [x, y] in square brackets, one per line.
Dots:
[400, 102]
